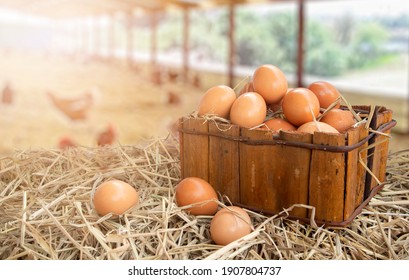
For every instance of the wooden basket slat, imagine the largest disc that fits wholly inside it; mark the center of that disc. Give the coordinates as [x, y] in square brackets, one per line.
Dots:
[327, 175]
[195, 149]
[260, 172]
[224, 160]
[351, 178]
[297, 169]
[361, 170]
[380, 153]
[253, 170]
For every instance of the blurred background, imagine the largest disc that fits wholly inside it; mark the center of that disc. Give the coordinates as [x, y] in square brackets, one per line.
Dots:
[93, 72]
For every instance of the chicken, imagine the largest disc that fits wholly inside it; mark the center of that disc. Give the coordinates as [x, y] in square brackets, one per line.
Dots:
[156, 76]
[66, 142]
[7, 94]
[173, 75]
[173, 98]
[108, 136]
[74, 108]
[197, 81]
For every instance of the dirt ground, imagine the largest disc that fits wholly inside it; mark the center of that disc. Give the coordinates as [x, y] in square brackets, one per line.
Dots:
[126, 98]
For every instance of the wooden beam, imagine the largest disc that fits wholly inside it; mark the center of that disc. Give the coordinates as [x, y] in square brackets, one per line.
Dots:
[78, 35]
[111, 36]
[129, 39]
[185, 54]
[300, 45]
[97, 36]
[154, 27]
[86, 36]
[232, 47]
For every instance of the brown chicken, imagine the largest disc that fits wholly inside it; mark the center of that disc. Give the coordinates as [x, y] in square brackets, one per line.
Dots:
[66, 142]
[7, 94]
[108, 136]
[156, 76]
[74, 108]
[173, 75]
[197, 81]
[173, 98]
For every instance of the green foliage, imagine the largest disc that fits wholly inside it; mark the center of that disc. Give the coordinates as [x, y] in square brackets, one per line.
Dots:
[328, 60]
[324, 56]
[170, 32]
[271, 37]
[253, 44]
[208, 34]
[367, 44]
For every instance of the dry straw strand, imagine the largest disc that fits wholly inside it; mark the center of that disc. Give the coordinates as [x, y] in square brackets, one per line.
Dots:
[46, 213]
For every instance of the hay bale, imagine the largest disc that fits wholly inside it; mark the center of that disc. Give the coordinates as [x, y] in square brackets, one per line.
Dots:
[46, 213]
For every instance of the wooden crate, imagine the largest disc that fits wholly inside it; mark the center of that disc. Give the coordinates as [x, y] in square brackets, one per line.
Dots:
[337, 174]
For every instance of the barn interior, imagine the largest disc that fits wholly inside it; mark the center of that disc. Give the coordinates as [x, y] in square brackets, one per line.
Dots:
[111, 78]
[138, 66]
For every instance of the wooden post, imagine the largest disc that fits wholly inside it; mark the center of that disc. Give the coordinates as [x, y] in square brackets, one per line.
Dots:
[97, 37]
[154, 26]
[111, 37]
[78, 36]
[57, 36]
[129, 17]
[186, 25]
[86, 38]
[232, 49]
[300, 45]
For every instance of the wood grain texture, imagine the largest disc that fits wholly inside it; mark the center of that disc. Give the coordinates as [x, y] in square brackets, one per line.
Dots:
[327, 179]
[224, 160]
[381, 148]
[195, 149]
[351, 178]
[260, 169]
[274, 177]
[361, 171]
[296, 170]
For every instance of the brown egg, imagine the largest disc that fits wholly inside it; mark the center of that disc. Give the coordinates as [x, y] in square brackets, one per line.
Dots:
[300, 106]
[326, 93]
[248, 87]
[341, 120]
[277, 124]
[217, 101]
[270, 82]
[114, 196]
[229, 224]
[192, 190]
[311, 127]
[249, 110]
[278, 106]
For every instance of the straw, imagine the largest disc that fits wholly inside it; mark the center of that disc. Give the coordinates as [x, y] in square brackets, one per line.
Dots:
[46, 212]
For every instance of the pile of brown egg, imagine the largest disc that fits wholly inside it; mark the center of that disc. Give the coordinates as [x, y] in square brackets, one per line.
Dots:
[315, 108]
